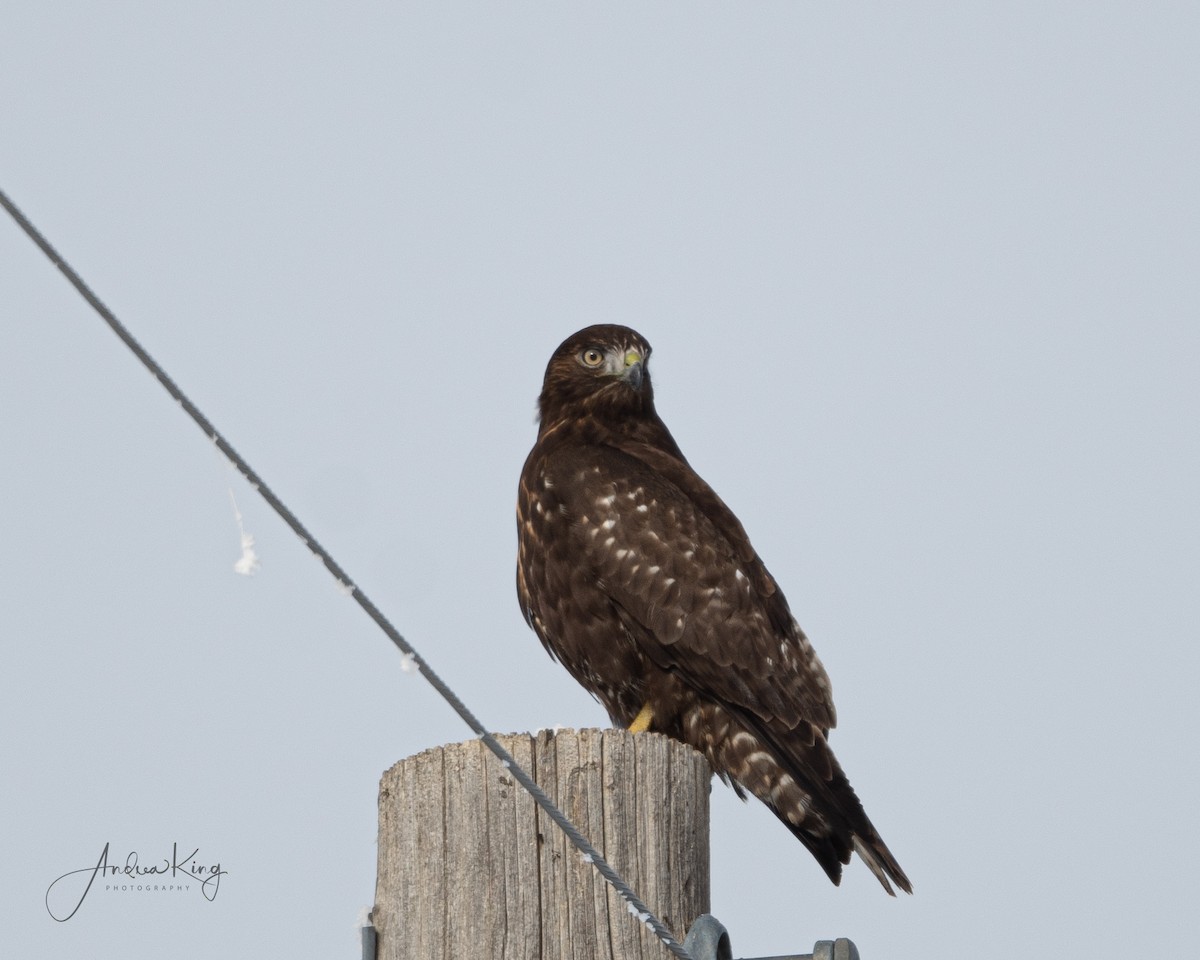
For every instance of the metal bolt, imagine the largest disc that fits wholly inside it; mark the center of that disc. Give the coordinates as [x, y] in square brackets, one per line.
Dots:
[840, 949]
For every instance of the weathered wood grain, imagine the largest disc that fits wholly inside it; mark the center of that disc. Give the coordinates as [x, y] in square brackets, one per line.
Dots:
[469, 867]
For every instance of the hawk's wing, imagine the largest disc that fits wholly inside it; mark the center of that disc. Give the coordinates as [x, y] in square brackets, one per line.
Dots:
[686, 582]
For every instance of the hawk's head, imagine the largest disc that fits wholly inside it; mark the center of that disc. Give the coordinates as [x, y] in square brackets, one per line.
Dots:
[599, 372]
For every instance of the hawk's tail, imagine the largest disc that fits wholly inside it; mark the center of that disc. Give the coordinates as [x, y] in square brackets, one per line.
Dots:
[879, 858]
[799, 778]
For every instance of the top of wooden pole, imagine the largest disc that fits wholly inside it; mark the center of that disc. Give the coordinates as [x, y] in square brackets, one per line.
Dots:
[470, 867]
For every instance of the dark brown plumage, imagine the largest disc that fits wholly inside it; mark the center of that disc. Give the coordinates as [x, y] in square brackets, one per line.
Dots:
[638, 578]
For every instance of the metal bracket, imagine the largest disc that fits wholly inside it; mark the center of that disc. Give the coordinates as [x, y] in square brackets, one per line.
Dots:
[709, 940]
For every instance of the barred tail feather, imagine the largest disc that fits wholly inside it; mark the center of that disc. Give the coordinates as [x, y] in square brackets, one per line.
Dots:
[803, 784]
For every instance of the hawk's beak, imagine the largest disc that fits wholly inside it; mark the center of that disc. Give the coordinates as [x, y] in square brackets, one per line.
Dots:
[634, 368]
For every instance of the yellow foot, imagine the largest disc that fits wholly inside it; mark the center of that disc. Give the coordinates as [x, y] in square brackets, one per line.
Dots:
[641, 723]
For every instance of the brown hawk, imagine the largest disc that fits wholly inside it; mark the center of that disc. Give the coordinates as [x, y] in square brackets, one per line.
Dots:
[638, 578]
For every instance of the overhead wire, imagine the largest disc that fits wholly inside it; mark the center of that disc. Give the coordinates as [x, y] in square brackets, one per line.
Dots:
[412, 657]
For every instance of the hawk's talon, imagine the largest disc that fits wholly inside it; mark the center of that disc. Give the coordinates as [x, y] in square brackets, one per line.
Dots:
[641, 723]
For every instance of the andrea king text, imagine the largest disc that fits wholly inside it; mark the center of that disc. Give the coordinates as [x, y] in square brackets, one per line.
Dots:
[65, 895]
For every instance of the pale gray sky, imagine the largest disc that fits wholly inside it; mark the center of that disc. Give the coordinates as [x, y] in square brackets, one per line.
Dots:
[922, 285]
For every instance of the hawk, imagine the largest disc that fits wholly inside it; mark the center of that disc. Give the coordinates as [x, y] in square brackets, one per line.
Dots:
[641, 581]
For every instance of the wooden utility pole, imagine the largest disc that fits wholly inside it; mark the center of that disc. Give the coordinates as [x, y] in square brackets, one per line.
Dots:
[471, 869]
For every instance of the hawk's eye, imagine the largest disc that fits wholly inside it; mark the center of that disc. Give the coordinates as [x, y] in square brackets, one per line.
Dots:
[591, 357]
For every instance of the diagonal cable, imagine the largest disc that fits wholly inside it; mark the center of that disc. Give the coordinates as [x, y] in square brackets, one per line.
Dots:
[636, 906]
